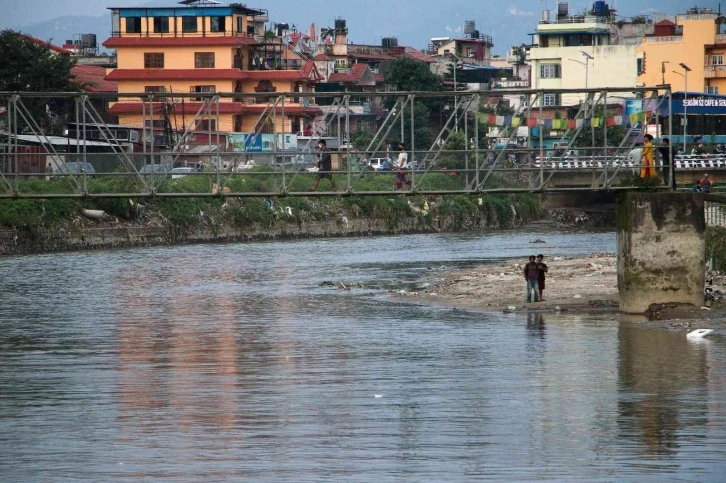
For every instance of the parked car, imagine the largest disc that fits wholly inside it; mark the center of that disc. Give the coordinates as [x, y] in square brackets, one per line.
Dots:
[181, 172]
[380, 164]
[149, 169]
[243, 166]
[75, 168]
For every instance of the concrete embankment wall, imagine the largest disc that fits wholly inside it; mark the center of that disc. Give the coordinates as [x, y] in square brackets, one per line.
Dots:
[19, 242]
[661, 250]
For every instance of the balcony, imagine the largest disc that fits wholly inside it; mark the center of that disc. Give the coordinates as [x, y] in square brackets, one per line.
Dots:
[512, 84]
[720, 39]
[714, 72]
[667, 39]
[180, 34]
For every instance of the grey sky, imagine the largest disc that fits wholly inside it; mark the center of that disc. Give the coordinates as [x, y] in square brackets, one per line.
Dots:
[412, 21]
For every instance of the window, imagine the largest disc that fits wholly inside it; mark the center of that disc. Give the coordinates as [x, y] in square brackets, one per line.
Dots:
[204, 60]
[641, 66]
[717, 59]
[712, 90]
[218, 24]
[201, 89]
[158, 123]
[240, 25]
[161, 25]
[153, 60]
[189, 25]
[341, 64]
[154, 89]
[206, 125]
[133, 25]
[470, 52]
[549, 71]
[550, 100]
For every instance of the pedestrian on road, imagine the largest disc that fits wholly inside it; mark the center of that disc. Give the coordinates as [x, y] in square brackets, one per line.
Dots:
[647, 169]
[402, 163]
[531, 275]
[542, 270]
[325, 166]
[669, 169]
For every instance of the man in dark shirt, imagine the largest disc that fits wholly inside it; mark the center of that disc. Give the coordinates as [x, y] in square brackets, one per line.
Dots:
[669, 169]
[325, 166]
[542, 267]
[531, 275]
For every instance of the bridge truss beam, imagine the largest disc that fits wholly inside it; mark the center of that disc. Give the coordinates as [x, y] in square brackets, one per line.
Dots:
[453, 155]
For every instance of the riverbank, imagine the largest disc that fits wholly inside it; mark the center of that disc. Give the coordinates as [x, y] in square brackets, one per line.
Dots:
[42, 226]
[574, 284]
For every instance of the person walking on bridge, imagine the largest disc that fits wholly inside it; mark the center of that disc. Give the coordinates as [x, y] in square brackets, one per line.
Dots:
[647, 169]
[669, 168]
[402, 163]
[325, 166]
[531, 275]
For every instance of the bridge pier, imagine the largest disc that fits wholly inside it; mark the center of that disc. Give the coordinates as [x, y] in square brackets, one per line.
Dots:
[661, 250]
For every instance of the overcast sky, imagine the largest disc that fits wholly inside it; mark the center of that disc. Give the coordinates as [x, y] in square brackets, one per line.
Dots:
[412, 21]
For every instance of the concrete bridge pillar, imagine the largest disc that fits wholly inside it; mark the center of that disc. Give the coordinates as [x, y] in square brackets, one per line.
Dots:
[661, 250]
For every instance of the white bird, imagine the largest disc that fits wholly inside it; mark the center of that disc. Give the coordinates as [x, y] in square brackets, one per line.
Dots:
[699, 333]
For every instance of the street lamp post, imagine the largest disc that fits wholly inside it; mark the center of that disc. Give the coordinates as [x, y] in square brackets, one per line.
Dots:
[588, 58]
[457, 62]
[686, 70]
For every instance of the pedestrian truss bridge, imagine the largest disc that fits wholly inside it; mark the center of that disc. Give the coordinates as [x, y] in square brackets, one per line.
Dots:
[448, 154]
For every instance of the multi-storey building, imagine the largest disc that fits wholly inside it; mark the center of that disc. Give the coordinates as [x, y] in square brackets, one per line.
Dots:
[694, 39]
[688, 54]
[580, 51]
[202, 47]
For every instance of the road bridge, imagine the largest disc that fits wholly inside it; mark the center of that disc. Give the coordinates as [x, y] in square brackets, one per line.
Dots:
[86, 157]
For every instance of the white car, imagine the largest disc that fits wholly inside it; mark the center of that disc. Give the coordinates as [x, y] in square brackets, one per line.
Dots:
[242, 166]
[181, 172]
[378, 164]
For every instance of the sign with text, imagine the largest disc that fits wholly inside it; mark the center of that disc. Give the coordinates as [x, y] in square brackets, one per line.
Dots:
[259, 143]
[700, 105]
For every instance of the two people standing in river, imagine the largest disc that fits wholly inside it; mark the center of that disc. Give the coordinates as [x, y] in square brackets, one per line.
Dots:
[534, 274]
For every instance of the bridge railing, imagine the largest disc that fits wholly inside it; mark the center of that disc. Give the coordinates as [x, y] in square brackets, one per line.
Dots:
[286, 173]
[167, 144]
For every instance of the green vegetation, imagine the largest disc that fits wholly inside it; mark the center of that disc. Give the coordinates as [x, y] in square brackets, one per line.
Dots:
[716, 247]
[454, 211]
[30, 67]
[651, 184]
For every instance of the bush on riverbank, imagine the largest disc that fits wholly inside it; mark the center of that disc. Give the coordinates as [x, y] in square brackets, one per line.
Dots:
[459, 212]
[716, 247]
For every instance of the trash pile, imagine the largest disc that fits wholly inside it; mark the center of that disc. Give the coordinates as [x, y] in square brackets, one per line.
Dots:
[569, 217]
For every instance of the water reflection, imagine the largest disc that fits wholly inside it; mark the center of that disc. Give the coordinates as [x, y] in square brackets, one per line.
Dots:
[231, 362]
[666, 379]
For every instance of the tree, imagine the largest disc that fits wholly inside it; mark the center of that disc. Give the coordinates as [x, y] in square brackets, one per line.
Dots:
[616, 134]
[360, 139]
[28, 66]
[406, 74]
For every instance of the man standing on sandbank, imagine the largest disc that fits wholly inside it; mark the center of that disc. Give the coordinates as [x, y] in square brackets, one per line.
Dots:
[531, 275]
[542, 270]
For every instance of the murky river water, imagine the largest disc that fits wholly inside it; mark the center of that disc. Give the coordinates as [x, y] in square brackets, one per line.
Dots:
[229, 363]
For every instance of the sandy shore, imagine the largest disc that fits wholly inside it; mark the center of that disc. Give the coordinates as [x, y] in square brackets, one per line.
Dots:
[582, 284]
[588, 282]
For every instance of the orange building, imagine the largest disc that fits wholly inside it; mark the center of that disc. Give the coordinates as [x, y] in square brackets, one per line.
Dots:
[695, 40]
[205, 48]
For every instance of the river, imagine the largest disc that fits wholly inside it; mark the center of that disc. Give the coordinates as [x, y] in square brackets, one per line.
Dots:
[231, 363]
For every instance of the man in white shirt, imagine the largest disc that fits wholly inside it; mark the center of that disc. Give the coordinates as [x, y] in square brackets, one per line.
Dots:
[402, 163]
